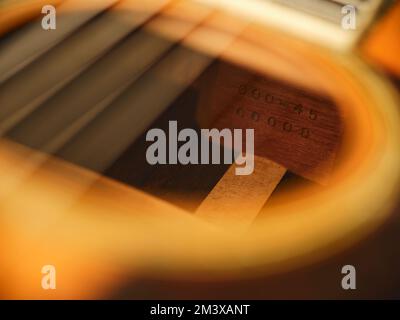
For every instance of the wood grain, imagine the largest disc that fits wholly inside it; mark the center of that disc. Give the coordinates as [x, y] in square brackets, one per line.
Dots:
[298, 130]
[236, 200]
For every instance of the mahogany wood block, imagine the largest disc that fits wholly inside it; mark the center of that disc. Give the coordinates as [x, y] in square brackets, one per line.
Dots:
[297, 129]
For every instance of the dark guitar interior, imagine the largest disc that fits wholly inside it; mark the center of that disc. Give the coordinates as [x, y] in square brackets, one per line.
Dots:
[183, 185]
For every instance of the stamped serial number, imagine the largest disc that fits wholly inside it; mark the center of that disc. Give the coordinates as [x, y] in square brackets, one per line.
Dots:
[269, 98]
[273, 122]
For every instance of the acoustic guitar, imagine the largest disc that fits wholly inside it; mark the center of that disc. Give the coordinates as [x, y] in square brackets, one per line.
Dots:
[78, 103]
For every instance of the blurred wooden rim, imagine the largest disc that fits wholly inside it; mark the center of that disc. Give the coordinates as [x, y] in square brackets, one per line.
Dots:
[305, 226]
